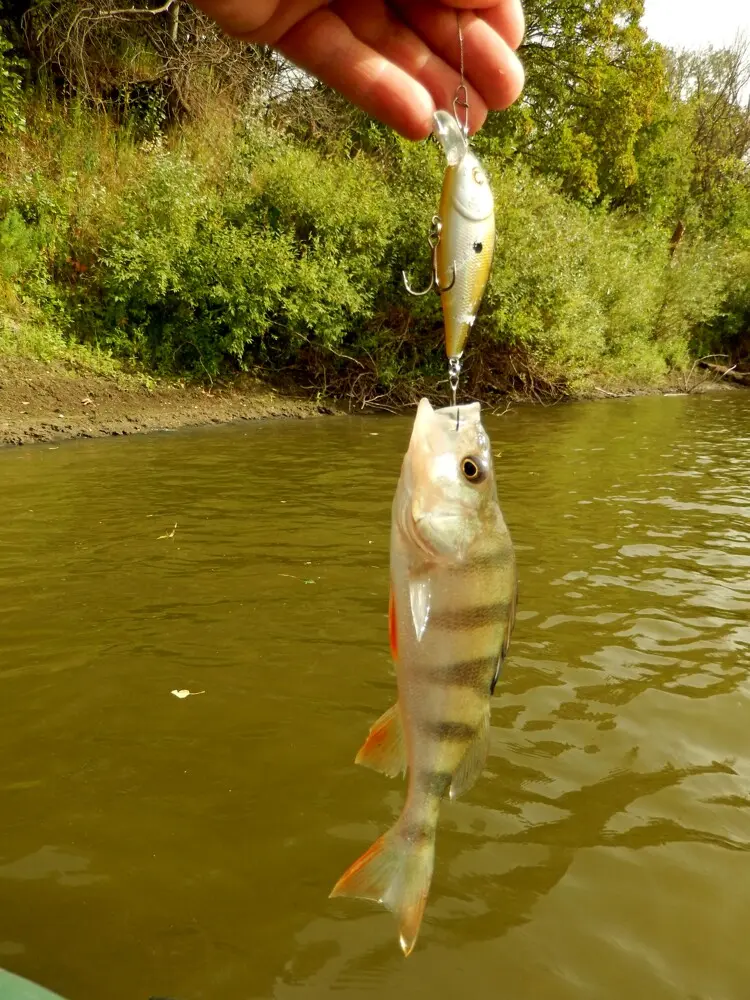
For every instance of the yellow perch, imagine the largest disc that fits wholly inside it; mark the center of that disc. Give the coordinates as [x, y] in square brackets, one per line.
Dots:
[467, 237]
[453, 597]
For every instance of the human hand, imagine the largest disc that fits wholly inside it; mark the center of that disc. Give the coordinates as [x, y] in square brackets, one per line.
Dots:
[399, 61]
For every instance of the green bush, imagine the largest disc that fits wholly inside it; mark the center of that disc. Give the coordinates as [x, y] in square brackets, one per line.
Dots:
[226, 247]
[20, 246]
[11, 114]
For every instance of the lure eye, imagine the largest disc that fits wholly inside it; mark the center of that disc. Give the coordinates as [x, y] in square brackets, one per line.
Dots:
[472, 469]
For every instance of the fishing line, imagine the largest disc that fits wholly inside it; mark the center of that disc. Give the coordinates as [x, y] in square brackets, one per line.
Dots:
[461, 100]
[460, 42]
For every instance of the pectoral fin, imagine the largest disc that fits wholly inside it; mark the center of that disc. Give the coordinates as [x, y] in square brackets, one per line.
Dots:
[384, 749]
[474, 760]
[420, 597]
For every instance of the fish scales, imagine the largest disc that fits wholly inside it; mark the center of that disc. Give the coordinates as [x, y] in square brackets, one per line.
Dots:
[453, 591]
[464, 624]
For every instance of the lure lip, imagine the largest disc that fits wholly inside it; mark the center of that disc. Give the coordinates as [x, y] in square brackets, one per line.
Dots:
[450, 136]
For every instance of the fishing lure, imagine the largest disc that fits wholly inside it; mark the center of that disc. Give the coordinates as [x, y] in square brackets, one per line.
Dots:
[462, 238]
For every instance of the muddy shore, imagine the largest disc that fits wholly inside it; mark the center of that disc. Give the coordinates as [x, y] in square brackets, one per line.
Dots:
[50, 402]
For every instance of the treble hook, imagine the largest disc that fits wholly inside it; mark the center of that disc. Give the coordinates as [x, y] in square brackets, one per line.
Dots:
[433, 239]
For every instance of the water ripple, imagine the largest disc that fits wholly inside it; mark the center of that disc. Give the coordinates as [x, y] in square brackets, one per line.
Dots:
[599, 856]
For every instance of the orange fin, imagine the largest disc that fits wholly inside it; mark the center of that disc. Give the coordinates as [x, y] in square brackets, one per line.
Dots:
[392, 626]
[384, 750]
[396, 873]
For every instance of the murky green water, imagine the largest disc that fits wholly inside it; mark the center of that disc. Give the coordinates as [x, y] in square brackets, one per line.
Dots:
[186, 848]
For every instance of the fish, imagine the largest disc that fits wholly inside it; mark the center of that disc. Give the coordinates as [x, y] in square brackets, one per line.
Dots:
[466, 244]
[453, 595]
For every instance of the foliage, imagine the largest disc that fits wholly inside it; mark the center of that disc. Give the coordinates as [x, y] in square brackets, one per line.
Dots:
[710, 89]
[157, 212]
[142, 61]
[593, 83]
[233, 246]
[11, 115]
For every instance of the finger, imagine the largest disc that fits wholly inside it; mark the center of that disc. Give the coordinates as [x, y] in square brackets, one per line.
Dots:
[326, 47]
[378, 27]
[505, 16]
[490, 63]
[508, 21]
[282, 18]
[241, 20]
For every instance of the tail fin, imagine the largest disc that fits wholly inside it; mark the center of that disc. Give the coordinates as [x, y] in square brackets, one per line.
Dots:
[396, 871]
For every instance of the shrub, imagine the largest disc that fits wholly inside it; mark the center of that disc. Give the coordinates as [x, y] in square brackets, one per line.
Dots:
[231, 244]
[11, 115]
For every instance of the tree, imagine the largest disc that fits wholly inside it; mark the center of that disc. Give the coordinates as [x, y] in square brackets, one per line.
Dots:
[165, 52]
[593, 86]
[711, 85]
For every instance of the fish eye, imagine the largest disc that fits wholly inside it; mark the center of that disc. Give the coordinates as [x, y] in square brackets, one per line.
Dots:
[478, 175]
[472, 469]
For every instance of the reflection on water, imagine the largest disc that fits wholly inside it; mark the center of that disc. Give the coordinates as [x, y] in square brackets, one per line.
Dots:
[156, 846]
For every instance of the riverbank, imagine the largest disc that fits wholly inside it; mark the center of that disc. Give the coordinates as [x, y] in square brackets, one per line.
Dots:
[54, 401]
[50, 401]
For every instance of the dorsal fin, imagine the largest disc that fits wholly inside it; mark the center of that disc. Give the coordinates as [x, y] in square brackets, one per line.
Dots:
[392, 626]
[506, 640]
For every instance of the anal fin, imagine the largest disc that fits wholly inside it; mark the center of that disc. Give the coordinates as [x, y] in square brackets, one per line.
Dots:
[384, 749]
[474, 759]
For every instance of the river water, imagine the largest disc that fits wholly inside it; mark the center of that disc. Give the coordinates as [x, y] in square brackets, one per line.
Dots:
[185, 848]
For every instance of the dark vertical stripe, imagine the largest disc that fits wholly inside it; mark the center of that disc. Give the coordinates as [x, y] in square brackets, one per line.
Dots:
[487, 560]
[435, 783]
[466, 673]
[450, 732]
[465, 619]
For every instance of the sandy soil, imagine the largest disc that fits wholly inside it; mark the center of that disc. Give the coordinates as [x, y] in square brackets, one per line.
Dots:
[49, 402]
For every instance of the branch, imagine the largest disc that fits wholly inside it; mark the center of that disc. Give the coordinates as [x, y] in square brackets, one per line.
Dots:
[137, 10]
[734, 375]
